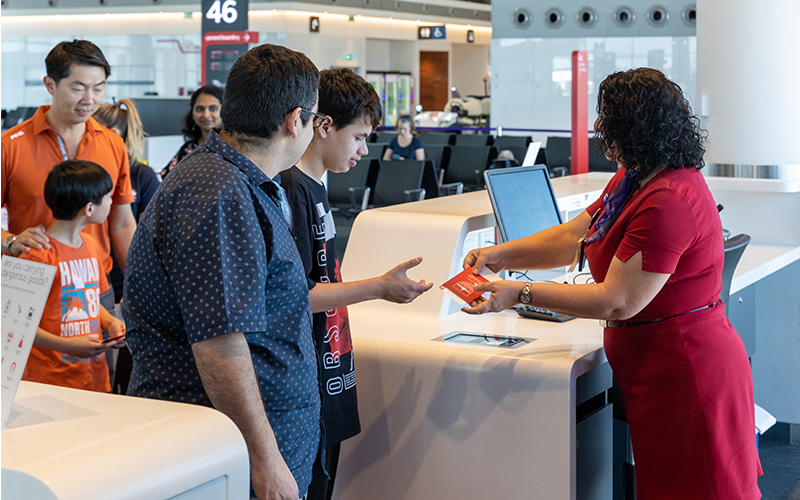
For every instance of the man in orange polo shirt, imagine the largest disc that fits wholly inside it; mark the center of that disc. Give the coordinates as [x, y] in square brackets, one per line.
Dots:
[76, 78]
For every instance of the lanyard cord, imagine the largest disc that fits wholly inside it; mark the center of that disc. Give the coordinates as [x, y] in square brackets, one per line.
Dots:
[62, 147]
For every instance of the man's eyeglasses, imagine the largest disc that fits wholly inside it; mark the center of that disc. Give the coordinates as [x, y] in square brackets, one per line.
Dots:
[319, 119]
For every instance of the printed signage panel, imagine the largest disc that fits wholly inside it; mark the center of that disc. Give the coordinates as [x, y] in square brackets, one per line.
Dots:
[25, 287]
[221, 17]
[431, 32]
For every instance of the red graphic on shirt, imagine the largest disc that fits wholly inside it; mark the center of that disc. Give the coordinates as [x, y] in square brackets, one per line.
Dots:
[337, 325]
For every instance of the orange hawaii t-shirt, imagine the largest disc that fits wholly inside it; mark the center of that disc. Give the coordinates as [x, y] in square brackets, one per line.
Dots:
[30, 150]
[72, 309]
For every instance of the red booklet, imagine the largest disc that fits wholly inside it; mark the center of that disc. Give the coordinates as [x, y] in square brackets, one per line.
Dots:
[460, 286]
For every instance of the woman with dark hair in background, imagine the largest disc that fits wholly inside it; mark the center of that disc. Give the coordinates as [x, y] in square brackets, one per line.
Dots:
[203, 116]
[654, 245]
[123, 119]
[406, 145]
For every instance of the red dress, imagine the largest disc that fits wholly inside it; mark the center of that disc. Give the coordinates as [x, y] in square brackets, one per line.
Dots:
[686, 382]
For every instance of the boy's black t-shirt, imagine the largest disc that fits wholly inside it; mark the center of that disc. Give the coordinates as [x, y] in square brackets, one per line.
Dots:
[314, 233]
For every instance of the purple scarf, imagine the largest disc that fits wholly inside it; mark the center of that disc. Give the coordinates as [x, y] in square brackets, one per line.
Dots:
[613, 204]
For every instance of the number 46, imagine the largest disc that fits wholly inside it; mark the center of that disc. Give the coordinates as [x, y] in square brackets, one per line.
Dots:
[227, 12]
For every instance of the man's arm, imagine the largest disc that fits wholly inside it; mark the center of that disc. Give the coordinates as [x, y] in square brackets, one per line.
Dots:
[33, 237]
[121, 226]
[394, 286]
[226, 370]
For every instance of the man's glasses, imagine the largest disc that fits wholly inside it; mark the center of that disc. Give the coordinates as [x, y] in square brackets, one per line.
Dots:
[319, 119]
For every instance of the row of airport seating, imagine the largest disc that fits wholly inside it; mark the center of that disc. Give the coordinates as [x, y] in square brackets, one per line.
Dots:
[469, 160]
[16, 116]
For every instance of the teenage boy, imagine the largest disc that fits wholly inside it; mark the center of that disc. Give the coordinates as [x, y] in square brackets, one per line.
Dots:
[68, 349]
[353, 110]
[216, 300]
[76, 78]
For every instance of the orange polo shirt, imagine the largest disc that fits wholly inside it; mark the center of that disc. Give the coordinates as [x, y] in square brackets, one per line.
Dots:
[30, 151]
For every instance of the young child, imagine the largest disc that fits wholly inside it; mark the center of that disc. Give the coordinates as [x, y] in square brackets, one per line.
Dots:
[353, 110]
[68, 349]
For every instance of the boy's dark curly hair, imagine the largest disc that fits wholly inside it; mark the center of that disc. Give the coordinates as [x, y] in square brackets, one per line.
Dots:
[644, 119]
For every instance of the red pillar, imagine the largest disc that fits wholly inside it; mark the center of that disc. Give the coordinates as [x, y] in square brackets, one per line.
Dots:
[580, 113]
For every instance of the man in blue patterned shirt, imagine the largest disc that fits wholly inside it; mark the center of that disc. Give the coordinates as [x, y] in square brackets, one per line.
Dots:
[216, 301]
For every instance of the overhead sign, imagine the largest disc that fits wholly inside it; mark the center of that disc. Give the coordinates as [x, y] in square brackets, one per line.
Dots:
[470, 36]
[431, 32]
[313, 24]
[224, 38]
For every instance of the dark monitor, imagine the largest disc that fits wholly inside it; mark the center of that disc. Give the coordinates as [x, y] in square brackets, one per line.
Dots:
[523, 200]
[162, 115]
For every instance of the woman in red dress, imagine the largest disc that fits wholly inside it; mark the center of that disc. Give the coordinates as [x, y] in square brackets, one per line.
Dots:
[654, 245]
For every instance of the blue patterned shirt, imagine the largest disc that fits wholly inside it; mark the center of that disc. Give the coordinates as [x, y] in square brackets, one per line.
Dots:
[213, 255]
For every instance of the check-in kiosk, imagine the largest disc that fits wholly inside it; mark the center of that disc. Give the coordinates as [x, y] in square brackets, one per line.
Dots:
[480, 418]
[69, 444]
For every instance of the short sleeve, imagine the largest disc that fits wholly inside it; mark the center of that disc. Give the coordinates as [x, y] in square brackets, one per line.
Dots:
[417, 144]
[663, 228]
[302, 227]
[215, 260]
[123, 192]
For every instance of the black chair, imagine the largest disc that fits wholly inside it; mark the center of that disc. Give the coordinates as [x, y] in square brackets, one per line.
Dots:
[510, 141]
[349, 192]
[473, 140]
[466, 166]
[399, 181]
[437, 138]
[386, 136]
[378, 146]
[440, 156]
[375, 150]
[519, 152]
[558, 153]
[598, 161]
[14, 117]
[734, 248]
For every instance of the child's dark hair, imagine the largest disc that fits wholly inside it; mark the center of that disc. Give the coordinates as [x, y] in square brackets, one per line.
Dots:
[348, 98]
[74, 183]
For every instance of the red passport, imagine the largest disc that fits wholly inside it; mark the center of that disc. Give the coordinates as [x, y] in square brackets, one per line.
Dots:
[460, 286]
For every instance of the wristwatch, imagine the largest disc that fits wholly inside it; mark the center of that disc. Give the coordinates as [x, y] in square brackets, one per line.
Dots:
[525, 294]
[9, 241]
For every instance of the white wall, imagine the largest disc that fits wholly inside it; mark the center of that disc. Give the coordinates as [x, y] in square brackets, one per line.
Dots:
[164, 47]
[469, 63]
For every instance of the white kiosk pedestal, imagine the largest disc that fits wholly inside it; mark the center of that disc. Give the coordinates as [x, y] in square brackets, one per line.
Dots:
[68, 444]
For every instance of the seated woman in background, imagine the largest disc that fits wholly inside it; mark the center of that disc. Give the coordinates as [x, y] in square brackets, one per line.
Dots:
[406, 144]
[123, 119]
[203, 116]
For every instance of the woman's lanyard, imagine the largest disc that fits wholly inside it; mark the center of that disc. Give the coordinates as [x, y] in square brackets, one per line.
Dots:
[62, 147]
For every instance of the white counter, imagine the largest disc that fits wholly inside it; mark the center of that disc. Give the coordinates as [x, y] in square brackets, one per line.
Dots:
[69, 444]
[460, 421]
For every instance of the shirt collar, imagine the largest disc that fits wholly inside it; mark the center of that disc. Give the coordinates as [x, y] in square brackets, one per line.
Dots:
[40, 124]
[217, 144]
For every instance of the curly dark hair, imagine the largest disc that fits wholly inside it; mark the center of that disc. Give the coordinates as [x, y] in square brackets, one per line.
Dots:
[647, 123]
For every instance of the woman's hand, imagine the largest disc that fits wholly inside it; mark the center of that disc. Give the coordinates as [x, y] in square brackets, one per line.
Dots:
[504, 295]
[479, 258]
